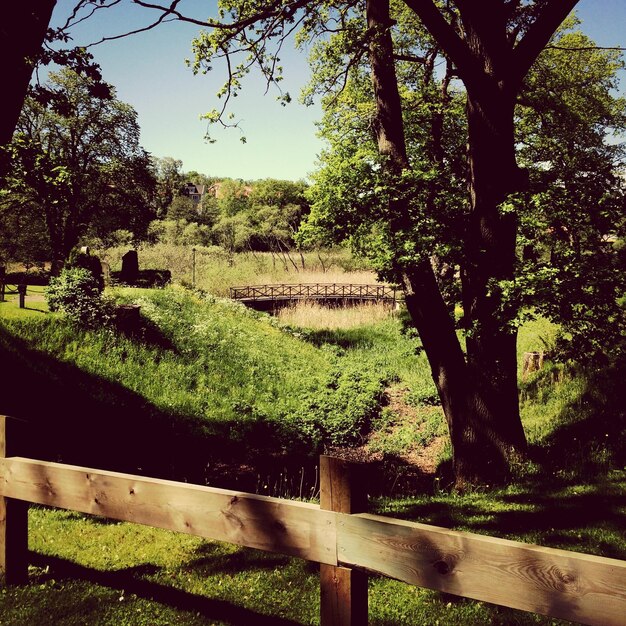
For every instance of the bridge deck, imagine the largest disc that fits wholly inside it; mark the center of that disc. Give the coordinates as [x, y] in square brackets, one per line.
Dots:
[256, 295]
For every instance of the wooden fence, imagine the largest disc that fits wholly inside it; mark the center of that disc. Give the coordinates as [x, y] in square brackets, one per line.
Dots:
[337, 533]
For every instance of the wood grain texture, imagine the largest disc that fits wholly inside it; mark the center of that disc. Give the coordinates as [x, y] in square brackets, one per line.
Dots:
[343, 596]
[343, 591]
[559, 583]
[13, 516]
[293, 528]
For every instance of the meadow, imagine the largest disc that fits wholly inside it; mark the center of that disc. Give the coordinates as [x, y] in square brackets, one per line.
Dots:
[216, 271]
[211, 392]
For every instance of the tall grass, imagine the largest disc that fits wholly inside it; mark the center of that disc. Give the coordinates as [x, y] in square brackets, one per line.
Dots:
[216, 271]
[308, 314]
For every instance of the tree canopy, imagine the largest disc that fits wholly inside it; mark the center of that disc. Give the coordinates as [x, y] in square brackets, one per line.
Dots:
[76, 162]
[377, 64]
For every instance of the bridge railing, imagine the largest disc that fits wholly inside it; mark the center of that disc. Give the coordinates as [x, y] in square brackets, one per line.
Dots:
[304, 291]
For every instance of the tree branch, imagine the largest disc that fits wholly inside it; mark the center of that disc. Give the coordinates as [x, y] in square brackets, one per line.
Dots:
[411, 58]
[551, 14]
[447, 38]
[582, 48]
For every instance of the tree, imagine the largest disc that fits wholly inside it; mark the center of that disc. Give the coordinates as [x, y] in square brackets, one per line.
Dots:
[78, 160]
[233, 233]
[491, 46]
[570, 123]
[182, 208]
[231, 196]
[170, 180]
[276, 210]
[18, 55]
[565, 111]
[273, 192]
[22, 235]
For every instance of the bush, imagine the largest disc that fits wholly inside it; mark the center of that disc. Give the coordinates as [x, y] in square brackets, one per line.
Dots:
[343, 409]
[88, 262]
[77, 294]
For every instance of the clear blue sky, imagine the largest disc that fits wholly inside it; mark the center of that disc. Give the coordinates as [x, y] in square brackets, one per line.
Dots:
[149, 73]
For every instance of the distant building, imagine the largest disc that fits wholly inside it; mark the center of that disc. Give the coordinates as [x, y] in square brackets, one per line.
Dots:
[194, 192]
[215, 190]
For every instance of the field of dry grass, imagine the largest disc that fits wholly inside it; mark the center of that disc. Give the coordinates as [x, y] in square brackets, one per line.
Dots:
[312, 315]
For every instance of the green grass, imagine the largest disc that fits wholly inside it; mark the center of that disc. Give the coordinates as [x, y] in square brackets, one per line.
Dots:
[10, 308]
[206, 386]
[212, 381]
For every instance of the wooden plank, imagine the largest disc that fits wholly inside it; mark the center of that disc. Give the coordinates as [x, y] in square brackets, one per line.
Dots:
[343, 596]
[13, 542]
[343, 591]
[13, 516]
[559, 583]
[294, 528]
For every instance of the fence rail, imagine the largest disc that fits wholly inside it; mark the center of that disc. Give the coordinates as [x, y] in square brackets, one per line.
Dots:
[558, 583]
[313, 291]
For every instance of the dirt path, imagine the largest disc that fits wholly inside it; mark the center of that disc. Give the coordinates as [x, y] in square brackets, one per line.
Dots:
[401, 468]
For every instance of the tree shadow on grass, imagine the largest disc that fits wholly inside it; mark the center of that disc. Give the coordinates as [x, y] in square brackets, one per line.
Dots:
[590, 438]
[569, 497]
[211, 559]
[78, 418]
[345, 338]
[132, 581]
[561, 517]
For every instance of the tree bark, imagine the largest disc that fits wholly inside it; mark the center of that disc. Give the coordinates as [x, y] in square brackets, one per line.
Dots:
[22, 33]
[478, 393]
[485, 426]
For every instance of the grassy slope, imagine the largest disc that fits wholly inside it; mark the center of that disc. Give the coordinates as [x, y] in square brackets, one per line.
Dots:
[88, 571]
[201, 377]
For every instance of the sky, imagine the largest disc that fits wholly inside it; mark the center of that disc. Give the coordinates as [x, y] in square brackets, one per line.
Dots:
[149, 72]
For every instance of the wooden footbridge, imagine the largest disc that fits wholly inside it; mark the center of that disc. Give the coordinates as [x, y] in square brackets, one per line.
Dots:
[271, 297]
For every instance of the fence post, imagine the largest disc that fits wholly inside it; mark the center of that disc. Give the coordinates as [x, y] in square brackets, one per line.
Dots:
[21, 290]
[343, 591]
[13, 517]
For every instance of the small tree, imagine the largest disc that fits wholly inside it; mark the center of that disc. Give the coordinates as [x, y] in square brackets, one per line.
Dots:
[77, 294]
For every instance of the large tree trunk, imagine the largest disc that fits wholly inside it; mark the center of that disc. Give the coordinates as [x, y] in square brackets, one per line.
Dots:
[22, 32]
[478, 392]
[490, 259]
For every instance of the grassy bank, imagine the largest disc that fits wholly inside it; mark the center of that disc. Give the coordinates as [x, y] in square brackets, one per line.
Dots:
[209, 391]
[211, 381]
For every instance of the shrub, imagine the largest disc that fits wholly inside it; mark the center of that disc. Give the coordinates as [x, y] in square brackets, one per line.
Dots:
[77, 294]
[344, 408]
[88, 262]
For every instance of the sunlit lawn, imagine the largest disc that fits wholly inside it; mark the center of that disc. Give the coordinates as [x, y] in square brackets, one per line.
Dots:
[35, 303]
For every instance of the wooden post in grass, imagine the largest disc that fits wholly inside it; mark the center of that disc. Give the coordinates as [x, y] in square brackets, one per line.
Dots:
[21, 290]
[343, 591]
[13, 516]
